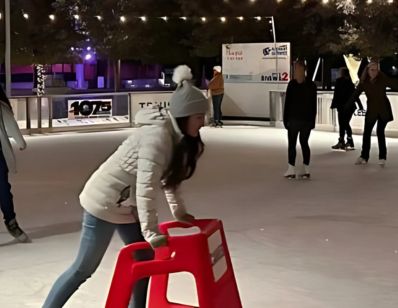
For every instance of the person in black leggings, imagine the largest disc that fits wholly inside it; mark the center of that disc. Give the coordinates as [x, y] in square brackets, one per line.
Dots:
[299, 118]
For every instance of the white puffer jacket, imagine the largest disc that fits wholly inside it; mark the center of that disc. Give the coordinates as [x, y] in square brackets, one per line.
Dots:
[136, 169]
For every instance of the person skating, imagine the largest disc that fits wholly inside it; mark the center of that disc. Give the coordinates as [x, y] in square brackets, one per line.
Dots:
[343, 92]
[9, 128]
[157, 156]
[374, 83]
[299, 118]
[216, 87]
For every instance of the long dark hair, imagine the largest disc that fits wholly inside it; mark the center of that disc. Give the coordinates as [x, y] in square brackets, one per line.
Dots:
[185, 155]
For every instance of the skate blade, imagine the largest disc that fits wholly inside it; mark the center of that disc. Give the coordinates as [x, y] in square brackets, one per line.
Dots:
[290, 177]
[24, 238]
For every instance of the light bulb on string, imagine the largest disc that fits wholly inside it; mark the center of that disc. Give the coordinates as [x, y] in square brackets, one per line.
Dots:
[241, 18]
[99, 17]
[123, 19]
[258, 18]
[183, 18]
[25, 15]
[223, 19]
[52, 17]
[77, 17]
[143, 18]
[165, 18]
[203, 19]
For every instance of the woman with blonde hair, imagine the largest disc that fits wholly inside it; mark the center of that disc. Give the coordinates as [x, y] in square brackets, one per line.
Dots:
[374, 83]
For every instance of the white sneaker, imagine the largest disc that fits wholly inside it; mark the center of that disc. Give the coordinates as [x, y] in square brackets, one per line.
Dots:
[382, 162]
[290, 172]
[361, 161]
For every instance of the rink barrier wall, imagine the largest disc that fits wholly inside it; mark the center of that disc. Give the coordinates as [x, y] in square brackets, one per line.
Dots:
[326, 119]
[107, 111]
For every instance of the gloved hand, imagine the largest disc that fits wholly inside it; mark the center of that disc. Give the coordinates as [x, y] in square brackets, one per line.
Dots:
[158, 241]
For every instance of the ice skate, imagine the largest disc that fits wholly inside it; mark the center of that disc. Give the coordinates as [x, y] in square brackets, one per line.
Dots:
[339, 146]
[361, 161]
[382, 162]
[305, 174]
[15, 231]
[290, 172]
[349, 146]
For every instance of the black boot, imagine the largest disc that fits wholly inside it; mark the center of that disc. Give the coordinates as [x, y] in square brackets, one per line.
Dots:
[339, 145]
[350, 144]
[14, 229]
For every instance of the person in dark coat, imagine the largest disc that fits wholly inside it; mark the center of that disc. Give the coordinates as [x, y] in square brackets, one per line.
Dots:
[342, 93]
[216, 87]
[9, 127]
[299, 118]
[374, 83]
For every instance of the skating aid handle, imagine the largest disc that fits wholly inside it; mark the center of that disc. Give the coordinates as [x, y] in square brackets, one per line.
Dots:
[206, 226]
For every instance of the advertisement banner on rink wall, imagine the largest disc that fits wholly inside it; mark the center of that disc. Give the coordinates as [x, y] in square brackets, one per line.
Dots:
[149, 100]
[142, 100]
[89, 108]
[256, 62]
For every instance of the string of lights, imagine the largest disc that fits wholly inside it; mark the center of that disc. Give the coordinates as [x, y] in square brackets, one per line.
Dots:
[203, 19]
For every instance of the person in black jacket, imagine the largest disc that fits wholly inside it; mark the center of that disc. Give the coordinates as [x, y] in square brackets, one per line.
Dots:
[343, 91]
[374, 83]
[299, 117]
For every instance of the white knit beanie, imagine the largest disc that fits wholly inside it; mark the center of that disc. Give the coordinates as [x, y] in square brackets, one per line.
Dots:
[186, 100]
[217, 69]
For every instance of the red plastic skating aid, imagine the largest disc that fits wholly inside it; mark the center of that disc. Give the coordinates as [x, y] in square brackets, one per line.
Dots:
[195, 253]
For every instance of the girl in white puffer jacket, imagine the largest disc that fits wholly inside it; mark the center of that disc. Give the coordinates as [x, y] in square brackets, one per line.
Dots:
[121, 194]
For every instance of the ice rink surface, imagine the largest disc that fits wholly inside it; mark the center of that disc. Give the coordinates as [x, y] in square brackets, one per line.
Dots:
[328, 242]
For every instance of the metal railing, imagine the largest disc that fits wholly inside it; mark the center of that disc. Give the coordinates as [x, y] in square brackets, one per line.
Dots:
[327, 118]
[51, 113]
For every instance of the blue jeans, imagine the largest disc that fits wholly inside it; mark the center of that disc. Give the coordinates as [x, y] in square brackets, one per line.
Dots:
[6, 202]
[217, 114]
[95, 238]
